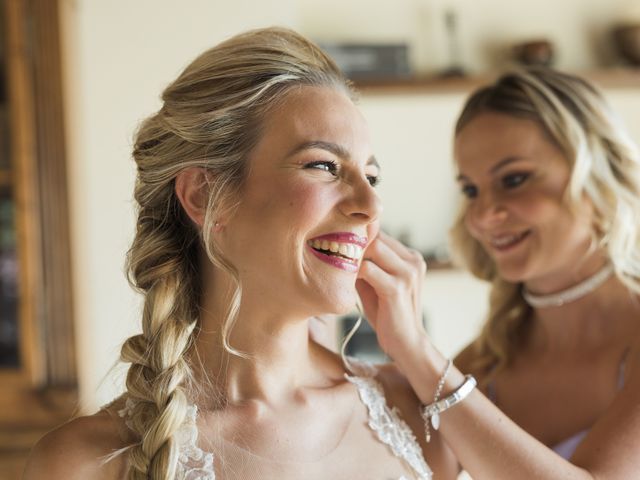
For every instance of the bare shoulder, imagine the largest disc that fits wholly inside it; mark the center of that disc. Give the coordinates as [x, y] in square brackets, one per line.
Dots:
[610, 448]
[464, 360]
[76, 450]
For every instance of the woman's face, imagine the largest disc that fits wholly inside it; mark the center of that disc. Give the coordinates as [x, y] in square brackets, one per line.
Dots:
[308, 207]
[514, 179]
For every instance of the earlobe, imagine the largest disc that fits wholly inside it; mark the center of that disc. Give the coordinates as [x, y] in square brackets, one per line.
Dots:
[191, 187]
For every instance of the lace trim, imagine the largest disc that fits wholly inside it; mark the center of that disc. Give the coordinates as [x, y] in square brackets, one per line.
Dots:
[390, 428]
[193, 462]
[196, 464]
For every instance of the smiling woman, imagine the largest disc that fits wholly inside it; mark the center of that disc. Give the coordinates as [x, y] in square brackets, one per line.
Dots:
[300, 190]
[551, 218]
[256, 204]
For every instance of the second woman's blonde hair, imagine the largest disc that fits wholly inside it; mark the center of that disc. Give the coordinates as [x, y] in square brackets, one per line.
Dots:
[212, 116]
[605, 168]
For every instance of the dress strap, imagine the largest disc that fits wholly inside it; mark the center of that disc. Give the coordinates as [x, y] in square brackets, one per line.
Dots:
[112, 410]
[622, 368]
[386, 422]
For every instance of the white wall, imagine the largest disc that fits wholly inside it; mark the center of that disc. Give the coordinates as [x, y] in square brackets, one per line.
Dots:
[119, 54]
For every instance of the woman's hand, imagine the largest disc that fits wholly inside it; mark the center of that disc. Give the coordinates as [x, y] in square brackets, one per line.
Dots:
[390, 287]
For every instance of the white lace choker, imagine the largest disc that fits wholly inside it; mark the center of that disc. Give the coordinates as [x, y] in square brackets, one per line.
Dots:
[571, 294]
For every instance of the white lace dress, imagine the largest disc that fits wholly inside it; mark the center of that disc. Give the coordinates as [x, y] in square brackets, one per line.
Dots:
[196, 464]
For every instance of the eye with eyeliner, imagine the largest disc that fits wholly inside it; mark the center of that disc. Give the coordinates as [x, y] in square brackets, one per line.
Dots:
[374, 180]
[469, 190]
[323, 165]
[333, 168]
[515, 179]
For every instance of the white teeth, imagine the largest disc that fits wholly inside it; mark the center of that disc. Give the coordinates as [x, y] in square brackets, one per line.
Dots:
[349, 250]
[505, 240]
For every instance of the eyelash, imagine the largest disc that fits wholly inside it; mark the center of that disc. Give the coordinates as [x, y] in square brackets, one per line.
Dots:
[520, 178]
[510, 181]
[332, 168]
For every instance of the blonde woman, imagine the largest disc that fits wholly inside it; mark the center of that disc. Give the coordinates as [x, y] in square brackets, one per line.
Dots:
[552, 218]
[256, 195]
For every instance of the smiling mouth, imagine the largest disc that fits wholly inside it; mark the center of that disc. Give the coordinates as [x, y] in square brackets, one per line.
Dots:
[346, 251]
[506, 242]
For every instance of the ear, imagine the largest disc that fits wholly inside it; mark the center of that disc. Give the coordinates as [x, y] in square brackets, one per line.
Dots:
[191, 188]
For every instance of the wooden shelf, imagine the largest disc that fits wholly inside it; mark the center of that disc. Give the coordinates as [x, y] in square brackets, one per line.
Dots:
[614, 78]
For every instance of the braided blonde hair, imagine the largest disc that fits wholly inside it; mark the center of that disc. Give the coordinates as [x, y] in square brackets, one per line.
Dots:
[211, 118]
[605, 167]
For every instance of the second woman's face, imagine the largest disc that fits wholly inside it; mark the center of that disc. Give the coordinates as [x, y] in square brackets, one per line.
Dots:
[308, 207]
[515, 179]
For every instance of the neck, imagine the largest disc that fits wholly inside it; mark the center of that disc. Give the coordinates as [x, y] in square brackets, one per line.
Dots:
[279, 357]
[586, 324]
[570, 294]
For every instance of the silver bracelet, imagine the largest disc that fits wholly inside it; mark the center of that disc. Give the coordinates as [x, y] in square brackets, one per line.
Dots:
[431, 413]
[435, 420]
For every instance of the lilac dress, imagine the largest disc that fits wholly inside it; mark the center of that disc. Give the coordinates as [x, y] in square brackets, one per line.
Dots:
[567, 447]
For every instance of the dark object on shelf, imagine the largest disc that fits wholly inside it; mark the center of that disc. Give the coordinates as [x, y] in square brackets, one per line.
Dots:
[451, 24]
[534, 52]
[627, 40]
[370, 61]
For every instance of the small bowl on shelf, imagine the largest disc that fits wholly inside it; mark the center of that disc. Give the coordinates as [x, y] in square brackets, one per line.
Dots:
[627, 40]
[534, 52]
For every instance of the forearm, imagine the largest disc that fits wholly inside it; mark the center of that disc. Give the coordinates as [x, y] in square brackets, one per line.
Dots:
[486, 442]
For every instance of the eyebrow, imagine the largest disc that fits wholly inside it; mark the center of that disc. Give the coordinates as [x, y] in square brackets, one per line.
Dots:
[334, 148]
[501, 164]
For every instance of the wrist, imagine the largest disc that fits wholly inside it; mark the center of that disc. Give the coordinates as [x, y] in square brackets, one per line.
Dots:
[422, 364]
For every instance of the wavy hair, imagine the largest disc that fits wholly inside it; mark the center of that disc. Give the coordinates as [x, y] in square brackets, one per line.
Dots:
[605, 169]
[211, 118]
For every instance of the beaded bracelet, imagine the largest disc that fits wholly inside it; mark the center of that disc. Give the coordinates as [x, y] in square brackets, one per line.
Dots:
[435, 420]
[431, 413]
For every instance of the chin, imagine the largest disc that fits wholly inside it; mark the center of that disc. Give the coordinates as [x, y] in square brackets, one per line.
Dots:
[340, 302]
[513, 273]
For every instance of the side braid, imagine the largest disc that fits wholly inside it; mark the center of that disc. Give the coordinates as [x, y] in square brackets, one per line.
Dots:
[161, 268]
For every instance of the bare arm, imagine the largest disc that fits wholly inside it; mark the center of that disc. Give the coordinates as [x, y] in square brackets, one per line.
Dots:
[485, 441]
[489, 445]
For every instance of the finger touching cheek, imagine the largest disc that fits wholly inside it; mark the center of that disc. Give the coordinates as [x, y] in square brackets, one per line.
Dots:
[373, 229]
[383, 283]
[367, 294]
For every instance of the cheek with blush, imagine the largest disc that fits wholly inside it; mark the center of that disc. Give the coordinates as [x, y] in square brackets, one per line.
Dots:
[308, 203]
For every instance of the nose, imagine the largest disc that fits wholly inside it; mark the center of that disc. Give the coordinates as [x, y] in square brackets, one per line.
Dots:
[486, 212]
[362, 202]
